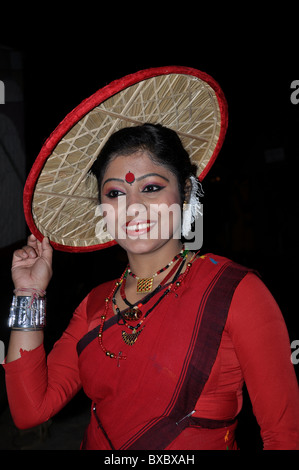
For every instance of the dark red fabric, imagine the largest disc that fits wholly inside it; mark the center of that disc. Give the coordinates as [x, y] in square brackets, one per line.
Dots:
[254, 346]
[205, 340]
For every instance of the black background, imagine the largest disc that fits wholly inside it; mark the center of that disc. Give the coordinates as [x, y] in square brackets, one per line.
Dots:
[251, 200]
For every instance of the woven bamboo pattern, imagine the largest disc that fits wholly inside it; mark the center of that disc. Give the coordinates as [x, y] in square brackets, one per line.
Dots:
[65, 200]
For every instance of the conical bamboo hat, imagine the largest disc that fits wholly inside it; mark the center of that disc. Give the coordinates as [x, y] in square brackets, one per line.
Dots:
[60, 195]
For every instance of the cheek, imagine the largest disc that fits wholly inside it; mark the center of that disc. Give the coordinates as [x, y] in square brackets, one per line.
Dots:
[170, 203]
[168, 213]
[114, 213]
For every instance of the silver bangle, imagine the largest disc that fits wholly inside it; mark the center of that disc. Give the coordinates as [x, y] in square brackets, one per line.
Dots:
[27, 313]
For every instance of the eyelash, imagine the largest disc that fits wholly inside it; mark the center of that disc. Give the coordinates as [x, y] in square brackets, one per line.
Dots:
[153, 186]
[120, 193]
[109, 194]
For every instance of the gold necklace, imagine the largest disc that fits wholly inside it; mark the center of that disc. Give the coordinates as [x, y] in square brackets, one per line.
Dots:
[146, 284]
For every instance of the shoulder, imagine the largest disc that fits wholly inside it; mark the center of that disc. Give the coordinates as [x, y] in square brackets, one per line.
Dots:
[92, 305]
[253, 292]
[101, 291]
[253, 306]
[250, 294]
[95, 298]
[211, 265]
[212, 259]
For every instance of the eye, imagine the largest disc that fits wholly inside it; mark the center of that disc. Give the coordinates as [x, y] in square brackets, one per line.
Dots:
[152, 188]
[114, 193]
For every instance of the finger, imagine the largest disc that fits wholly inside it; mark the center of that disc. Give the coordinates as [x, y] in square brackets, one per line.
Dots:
[35, 244]
[20, 254]
[30, 251]
[25, 252]
[32, 237]
[32, 241]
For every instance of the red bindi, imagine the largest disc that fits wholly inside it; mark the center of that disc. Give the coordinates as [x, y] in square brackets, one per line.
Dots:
[130, 177]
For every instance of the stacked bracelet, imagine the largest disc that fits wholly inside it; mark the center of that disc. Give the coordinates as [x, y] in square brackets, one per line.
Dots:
[38, 292]
[28, 313]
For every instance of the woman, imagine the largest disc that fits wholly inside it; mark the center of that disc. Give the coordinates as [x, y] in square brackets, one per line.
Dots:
[164, 351]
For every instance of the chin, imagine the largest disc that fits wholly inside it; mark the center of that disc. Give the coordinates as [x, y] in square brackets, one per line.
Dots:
[140, 246]
[143, 246]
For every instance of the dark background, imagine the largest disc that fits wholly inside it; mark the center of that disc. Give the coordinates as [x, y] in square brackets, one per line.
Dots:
[251, 200]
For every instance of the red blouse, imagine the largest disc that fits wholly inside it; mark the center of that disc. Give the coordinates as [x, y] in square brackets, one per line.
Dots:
[130, 394]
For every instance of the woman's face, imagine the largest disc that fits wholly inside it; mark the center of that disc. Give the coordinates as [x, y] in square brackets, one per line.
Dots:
[141, 203]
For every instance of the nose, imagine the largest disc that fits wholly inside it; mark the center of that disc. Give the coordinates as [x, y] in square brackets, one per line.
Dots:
[135, 205]
[133, 197]
[137, 210]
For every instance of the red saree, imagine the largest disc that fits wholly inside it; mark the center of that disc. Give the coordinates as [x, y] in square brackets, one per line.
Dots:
[180, 387]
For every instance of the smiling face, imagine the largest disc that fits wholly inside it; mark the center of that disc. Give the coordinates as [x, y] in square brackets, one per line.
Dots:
[141, 203]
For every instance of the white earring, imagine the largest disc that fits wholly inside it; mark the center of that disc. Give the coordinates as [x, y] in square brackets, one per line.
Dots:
[192, 209]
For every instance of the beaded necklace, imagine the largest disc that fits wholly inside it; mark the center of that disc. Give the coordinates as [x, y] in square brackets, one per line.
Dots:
[148, 296]
[134, 313]
[146, 284]
[130, 339]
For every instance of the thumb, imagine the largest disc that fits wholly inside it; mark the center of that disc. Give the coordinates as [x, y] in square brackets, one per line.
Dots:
[47, 250]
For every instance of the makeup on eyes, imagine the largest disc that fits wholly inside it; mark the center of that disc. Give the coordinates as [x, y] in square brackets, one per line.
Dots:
[137, 179]
[111, 190]
[156, 188]
[156, 185]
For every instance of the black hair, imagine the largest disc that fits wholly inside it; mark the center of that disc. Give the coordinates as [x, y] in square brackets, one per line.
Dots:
[164, 147]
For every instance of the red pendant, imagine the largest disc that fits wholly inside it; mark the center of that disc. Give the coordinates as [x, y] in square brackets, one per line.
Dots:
[130, 177]
[132, 314]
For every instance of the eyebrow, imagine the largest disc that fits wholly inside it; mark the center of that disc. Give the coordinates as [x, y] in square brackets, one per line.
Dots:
[137, 179]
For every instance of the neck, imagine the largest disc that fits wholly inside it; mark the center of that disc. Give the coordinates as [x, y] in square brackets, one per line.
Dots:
[146, 264]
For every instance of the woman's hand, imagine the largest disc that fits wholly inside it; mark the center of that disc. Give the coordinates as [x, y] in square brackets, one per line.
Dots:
[32, 265]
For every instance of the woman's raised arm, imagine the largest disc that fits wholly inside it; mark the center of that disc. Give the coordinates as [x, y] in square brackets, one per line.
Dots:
[31, 273]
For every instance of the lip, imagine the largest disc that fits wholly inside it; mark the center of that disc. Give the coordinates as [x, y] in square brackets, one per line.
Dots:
[138, 227]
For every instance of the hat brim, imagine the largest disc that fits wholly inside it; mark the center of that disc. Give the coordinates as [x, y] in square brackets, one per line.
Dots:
[60, 195]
